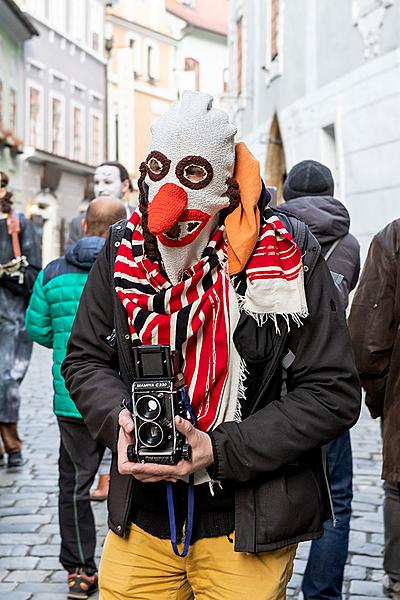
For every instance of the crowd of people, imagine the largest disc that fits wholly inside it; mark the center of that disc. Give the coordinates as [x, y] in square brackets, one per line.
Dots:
[252, 299]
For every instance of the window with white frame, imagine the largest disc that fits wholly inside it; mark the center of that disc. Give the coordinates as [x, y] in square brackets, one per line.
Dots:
[96, 27]
[12, 110]
[57, 124]
[35, 116]
[77, 20]
[95, 137]
[58, 14]
[273, 58]
[134, 43]
[239, 56]
[78, 133]
[36, 7]
[152, 61]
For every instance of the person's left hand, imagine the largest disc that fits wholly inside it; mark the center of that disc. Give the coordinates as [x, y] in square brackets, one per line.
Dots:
[202, 456]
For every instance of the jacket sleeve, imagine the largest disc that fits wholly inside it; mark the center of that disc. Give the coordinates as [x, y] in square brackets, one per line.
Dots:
[323, 399]
[372, 322]
[91, 369]
[38, 320]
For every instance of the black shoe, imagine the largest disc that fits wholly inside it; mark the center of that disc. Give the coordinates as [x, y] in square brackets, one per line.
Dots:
[15, 460]
[2, 461]
[81, 585]
[391, 588]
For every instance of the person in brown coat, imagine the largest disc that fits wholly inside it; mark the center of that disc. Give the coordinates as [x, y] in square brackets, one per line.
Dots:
[374, 327]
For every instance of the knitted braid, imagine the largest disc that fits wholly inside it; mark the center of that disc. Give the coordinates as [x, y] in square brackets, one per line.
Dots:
[233, 194]
[150, 242]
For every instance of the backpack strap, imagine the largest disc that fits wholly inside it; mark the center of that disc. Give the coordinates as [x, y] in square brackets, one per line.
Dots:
[14, 229]
[332, 249]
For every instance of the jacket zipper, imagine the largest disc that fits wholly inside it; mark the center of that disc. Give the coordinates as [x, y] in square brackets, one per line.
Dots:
[328, 487]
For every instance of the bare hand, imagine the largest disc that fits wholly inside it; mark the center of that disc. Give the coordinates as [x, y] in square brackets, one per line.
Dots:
[202, 453]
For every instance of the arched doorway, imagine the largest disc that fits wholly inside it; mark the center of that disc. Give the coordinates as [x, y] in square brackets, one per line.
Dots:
[275, 168]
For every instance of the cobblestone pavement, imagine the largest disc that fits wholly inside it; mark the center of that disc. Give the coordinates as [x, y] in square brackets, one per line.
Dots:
[29, 539]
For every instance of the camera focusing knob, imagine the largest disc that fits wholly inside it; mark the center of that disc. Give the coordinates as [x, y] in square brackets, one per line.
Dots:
[187, 452]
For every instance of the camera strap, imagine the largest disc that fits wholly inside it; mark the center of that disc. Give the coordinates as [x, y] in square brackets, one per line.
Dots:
[190, 499]
[189, 521]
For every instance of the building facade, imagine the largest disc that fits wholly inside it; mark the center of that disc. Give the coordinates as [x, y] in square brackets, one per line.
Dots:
[15, 29]
[65, 86]
[156, 50]
[320, 79]
[142, 85]
[201, 26]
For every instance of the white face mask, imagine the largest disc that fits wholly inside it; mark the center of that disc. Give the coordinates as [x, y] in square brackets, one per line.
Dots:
[107, 181]
[192, 156]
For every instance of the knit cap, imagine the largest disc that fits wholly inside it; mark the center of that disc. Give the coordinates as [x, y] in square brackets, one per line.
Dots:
[308, 178]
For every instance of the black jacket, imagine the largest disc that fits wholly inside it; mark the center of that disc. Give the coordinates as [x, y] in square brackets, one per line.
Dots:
[329, 220]
[273, 456]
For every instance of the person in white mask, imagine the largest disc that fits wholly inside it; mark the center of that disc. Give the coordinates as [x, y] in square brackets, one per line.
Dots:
[110, 179]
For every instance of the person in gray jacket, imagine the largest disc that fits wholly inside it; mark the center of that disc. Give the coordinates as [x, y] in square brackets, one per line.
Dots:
[308, 192]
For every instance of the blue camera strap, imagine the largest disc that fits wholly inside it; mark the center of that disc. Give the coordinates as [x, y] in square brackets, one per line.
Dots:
[171, 515]
[190, 498]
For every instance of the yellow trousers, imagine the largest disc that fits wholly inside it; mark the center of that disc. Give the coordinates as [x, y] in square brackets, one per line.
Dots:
[143, 567]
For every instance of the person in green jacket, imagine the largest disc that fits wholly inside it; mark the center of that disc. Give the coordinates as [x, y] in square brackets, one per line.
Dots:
[49, 320]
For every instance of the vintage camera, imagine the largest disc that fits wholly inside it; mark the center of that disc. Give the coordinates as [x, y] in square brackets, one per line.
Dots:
[159, 394]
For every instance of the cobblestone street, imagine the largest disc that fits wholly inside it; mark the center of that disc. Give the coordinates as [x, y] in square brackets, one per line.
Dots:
[29, 539]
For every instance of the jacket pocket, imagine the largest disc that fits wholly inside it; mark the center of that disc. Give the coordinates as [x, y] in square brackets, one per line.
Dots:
[289, 505]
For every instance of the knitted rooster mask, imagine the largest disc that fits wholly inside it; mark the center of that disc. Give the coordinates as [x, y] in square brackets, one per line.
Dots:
[187, 174]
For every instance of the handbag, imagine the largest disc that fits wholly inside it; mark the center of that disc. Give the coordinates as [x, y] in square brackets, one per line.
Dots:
[15, 268]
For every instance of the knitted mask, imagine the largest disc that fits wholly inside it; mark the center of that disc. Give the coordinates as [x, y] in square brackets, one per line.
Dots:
[191, 157]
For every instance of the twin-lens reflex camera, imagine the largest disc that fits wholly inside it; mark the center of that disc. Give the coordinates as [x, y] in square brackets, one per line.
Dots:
[159, 394]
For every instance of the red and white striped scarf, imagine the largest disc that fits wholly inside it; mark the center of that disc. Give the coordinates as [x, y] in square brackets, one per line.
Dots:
[195, 315]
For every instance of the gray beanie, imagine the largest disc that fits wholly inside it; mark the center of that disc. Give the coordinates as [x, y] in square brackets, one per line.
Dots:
[308, 178]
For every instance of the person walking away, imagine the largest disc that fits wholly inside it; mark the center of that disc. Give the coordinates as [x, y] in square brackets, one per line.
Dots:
[111, 179]
[20, 263]
[308, 192]
[374, 327]
[49, 319]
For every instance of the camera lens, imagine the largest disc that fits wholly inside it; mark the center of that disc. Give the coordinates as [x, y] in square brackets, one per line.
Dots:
[150, 434]
[148, 408]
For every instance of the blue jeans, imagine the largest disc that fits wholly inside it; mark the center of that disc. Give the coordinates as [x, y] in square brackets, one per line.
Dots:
[323, 577]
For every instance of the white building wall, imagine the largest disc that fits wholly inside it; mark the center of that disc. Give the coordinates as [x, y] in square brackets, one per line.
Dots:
[325, 86]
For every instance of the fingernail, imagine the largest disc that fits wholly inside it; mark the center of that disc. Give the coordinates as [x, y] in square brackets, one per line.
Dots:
[180, 420]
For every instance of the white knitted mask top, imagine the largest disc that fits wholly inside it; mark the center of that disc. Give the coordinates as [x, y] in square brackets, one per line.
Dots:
[191, 157]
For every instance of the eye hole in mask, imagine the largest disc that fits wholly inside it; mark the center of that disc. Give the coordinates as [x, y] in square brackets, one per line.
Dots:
[194, 172]
[157, 165]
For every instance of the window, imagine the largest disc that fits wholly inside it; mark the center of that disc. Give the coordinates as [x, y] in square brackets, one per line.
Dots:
[273, 47]
[13, 110]
[78, 134]
[96, 26]
[35, 117]
[191, 64]
[58, 14]
[152, 61]
[239, 55]
[57, 145]
[96, 138]
[77, 20]
[37, 7]
[274, 28]
[1, 103]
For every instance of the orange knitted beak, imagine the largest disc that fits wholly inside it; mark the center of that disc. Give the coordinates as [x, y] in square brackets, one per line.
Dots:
[166, 207]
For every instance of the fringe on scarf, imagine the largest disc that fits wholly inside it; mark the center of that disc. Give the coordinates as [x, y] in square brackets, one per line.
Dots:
[262, 318]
